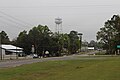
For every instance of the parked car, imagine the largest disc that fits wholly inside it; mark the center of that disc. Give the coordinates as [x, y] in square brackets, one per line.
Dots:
[35, 56]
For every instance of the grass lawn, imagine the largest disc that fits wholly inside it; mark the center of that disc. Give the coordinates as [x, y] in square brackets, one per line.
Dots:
[106, 68]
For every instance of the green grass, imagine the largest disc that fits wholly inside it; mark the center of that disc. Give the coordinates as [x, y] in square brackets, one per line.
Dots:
[100, 68]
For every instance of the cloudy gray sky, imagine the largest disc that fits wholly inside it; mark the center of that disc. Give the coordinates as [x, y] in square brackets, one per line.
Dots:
[85, 16]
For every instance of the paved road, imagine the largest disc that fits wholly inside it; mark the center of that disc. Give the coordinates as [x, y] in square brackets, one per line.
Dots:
[14, 63]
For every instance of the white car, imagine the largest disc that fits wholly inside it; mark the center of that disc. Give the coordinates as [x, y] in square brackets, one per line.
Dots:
[35, 56]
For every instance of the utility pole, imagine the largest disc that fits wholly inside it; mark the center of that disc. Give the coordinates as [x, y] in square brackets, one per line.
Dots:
[80, 38]
[0, 47]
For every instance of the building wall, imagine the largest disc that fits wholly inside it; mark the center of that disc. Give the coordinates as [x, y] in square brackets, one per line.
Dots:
[4, 56]
[3, 52]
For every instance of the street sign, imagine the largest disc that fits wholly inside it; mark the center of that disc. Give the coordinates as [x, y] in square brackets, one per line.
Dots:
[118, 46]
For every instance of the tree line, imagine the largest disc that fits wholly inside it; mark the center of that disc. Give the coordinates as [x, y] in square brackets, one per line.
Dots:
[43, 40]
[109, 35]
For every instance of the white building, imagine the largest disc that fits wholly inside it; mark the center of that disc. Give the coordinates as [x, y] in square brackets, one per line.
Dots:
[91, 48]
[10, 51]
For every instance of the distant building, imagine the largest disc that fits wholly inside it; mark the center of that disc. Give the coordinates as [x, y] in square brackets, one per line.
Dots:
[10, 51]
[91, 48]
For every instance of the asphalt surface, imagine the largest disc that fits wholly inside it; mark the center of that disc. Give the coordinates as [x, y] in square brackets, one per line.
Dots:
[14, 63]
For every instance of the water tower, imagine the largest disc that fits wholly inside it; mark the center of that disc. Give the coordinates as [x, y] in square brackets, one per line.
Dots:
[58, 22]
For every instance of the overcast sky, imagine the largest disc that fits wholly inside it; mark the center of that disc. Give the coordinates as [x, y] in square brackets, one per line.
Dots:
[86, 16]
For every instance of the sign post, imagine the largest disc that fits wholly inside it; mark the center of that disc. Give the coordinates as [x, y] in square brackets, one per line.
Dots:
[118, 47]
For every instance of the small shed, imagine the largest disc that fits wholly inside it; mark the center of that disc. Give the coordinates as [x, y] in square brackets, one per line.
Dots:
[10, 51]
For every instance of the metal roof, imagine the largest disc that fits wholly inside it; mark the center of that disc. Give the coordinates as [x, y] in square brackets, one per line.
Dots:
[11, 47]
[15, 51]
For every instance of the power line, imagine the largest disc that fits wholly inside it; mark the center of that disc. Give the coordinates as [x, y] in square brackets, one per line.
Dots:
[8, 24]
[14, 22]
[92, 5]
[16, 19]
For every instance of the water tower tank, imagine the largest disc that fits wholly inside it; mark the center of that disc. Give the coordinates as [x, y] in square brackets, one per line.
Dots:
[58, 21]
